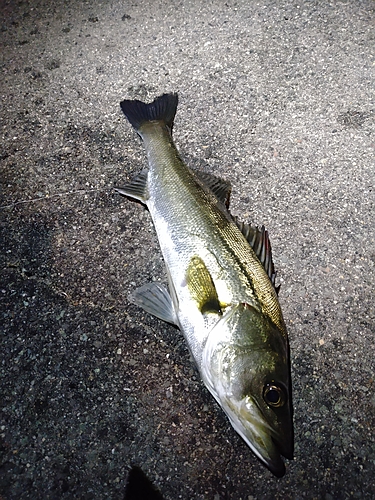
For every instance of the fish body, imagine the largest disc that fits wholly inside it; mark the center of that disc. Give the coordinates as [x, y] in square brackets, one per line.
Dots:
[221, 287]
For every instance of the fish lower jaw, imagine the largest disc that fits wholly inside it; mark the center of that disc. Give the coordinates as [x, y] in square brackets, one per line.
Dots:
[249, 423]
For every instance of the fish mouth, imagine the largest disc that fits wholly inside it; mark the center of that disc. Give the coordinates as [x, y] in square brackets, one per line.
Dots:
[267, 444]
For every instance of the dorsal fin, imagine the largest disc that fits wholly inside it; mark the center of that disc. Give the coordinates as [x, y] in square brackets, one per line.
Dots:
[260, 243]
[220, 188]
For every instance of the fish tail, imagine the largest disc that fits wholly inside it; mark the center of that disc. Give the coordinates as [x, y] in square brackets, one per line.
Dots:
[163, 109]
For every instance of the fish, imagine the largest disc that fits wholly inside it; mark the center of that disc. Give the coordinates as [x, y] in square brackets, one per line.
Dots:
[221, 289]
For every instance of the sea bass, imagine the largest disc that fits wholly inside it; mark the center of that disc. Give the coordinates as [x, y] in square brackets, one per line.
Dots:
[222, 292]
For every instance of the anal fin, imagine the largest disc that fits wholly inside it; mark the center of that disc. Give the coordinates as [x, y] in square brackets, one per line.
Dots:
[137, 188]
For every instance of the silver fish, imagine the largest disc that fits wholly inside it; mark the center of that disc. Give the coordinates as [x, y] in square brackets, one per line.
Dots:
[222, 292]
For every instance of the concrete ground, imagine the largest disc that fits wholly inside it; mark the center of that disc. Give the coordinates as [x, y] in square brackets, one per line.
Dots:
[278, 98]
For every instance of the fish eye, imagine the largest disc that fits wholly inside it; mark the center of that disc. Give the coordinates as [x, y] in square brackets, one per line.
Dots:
[274, 395]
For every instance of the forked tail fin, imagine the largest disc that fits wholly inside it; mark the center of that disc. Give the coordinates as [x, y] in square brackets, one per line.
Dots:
[163, 109]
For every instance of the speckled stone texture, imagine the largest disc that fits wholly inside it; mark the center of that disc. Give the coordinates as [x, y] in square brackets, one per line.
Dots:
[276, 97]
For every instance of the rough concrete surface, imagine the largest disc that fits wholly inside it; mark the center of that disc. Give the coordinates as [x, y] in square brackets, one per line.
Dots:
[277, 97]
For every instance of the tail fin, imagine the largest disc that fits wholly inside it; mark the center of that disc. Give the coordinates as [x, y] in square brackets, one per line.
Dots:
[163, 108]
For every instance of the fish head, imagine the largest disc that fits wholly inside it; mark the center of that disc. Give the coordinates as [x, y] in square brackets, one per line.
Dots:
[246, 367]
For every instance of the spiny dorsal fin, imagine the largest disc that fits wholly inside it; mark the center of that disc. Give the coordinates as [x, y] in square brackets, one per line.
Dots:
[260, 243]
[163, 108]
[202, 287]
[220, 188]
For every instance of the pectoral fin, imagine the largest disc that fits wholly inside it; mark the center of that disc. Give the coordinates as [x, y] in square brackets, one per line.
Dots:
[155, 299]
[202, 287]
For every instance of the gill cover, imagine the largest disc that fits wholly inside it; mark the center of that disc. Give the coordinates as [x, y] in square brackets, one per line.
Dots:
[245, 365]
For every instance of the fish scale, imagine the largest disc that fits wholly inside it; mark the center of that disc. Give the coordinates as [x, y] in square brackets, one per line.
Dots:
[162, 153]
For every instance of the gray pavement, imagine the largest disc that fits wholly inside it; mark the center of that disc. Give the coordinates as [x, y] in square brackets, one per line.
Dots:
[278, 98]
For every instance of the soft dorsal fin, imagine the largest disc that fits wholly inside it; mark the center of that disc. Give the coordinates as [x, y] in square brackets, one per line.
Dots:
[219, 187]
[202, 287]
[260, 243]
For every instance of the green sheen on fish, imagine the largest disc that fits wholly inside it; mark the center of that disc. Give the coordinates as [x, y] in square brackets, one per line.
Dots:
[221, 282]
